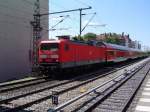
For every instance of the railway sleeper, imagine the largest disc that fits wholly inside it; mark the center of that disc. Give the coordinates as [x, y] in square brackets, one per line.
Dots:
[104, 110]
[119, 103]
[109, 107]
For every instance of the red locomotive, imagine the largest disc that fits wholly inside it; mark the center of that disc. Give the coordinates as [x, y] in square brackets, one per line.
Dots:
[65, 53]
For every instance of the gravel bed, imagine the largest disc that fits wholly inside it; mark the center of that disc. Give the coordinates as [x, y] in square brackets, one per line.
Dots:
[42, 94]
[43, 106]
[25, 90]
[26, 83]
[123, 93]
[17, 81]
[138, 95]
[90, 96]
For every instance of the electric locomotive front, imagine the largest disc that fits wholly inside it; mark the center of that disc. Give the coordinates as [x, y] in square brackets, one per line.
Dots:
[49, 53]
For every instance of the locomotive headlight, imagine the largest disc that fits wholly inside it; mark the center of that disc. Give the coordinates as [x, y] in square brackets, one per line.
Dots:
[43, 56]
[54, 56]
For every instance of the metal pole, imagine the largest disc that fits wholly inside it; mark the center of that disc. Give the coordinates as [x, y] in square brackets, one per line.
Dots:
[64, 11]
[80, 22]
[36, 33]
[88, 22]
[80, 9]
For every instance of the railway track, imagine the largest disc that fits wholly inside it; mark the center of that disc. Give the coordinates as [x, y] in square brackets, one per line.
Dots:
[23, 85]
[8, 100]
[7, 84]
[115, 95]
[45, 93]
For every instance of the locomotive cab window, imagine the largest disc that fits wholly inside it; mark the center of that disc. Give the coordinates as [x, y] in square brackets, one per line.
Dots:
[49, 46]
[66, 47]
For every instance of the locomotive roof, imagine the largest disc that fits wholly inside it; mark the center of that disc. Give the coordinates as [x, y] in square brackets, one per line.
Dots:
[50, 41]
[119, 47]
[94, 43]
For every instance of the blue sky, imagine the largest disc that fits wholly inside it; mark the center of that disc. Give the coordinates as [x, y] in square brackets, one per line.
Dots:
[129, 16]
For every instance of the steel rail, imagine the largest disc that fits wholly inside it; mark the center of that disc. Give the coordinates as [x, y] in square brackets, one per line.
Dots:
[49, 96]
[63, 91]
[100, 98]
[22, 86]
[133, 95]
[84, 94]
[20, 82]
[39, 100]
[90, 108]
[40, 90]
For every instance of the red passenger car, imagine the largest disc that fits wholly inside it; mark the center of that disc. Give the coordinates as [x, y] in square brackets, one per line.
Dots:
[117, 53]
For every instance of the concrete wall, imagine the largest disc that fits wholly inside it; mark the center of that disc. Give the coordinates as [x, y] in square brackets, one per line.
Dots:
[15, 36]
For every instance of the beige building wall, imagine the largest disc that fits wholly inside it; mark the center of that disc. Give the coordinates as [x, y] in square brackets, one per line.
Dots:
[15, 36]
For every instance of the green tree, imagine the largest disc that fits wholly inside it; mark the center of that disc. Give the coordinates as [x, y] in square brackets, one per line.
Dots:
[89, 36]
[112, 38]
[75, 38]
[78, 38]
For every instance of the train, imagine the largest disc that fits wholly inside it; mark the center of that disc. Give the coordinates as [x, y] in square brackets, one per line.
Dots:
[66, 54]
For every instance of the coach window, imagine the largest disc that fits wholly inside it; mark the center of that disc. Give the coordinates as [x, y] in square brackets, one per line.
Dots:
[66, 47]
[111, 53]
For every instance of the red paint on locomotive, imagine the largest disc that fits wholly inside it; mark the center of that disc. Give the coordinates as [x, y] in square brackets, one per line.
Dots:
[65, 53]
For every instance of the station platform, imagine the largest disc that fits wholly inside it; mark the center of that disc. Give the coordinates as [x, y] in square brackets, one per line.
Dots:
[143, 96]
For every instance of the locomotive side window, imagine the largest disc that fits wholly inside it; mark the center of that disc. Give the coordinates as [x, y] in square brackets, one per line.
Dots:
[49, 46]
[66, 47]
[111, 53]
[99, 44]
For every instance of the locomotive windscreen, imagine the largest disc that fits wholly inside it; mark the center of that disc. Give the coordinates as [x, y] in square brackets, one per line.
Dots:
[49, 46]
